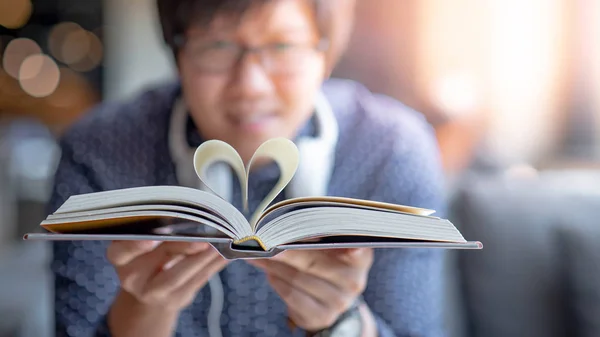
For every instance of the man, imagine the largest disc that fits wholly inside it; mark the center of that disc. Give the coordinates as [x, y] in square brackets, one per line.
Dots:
[250, 70]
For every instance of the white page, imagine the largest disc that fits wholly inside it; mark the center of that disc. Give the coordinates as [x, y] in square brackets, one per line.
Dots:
[71, 223]
[156, 195]
[212, 221]
[324, 221]
[285, 153]
[213, 151]
[281, 150]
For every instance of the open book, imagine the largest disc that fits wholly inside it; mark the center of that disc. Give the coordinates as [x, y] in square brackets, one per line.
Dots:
[174, 213]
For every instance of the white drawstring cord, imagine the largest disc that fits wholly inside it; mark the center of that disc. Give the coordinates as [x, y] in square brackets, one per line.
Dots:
[217, 297]
[308, 180]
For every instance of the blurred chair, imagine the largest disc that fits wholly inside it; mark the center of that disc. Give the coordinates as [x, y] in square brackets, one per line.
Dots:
[28, 157]
[8, 220]
[25, 291]
[522, 282]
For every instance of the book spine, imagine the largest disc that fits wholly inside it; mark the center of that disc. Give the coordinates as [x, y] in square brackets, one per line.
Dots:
[250, 238]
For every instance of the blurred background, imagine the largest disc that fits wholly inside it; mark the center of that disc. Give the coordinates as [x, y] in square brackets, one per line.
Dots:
[511, 87]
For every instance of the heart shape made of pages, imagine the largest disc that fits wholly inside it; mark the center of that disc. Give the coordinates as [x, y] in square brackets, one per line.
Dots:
[281, 150]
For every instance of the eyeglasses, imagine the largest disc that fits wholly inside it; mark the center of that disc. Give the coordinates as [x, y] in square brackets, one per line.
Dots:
[276, 58]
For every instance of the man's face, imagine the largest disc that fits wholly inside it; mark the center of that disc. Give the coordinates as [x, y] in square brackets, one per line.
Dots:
[246, 102]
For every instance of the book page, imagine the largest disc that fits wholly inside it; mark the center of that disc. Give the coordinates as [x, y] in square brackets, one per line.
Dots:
[138, 222]
[285, 153]
[343, 201]
[212, 220]
[152, 195]
[213, 151]
[330, 221]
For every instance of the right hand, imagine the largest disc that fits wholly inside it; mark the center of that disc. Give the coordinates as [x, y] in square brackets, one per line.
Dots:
[164, 275]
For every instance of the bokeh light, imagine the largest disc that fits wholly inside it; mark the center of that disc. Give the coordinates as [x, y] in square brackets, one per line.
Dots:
[14, 14]
[16, 52]
[76, 47]
[39, 75]
[94, 56]
[456, 94]
[31, 67]
[57, 37]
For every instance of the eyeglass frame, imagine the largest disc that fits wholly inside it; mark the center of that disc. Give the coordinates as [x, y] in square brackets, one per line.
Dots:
[180, 42]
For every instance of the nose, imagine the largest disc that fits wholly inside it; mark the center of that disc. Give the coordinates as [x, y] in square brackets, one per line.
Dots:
[250, 78]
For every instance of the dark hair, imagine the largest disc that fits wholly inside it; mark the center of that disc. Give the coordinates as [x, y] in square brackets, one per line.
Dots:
[176, 16]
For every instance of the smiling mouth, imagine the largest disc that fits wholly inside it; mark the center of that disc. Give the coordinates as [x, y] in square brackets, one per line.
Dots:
[253, 123]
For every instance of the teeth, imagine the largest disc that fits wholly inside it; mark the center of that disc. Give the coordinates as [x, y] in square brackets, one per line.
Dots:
[254, 119]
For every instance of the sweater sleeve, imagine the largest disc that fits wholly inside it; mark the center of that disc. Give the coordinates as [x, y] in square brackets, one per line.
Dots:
[405, 287]
[84, 281]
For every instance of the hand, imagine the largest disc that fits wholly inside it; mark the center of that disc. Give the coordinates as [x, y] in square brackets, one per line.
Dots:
[318, 286]
[164, 275]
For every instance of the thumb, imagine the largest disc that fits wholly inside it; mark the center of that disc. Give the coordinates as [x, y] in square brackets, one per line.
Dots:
[350, 255]
[122, 252]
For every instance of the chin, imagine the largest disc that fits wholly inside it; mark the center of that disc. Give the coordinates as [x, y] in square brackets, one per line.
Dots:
[257, 138]
[246, 146]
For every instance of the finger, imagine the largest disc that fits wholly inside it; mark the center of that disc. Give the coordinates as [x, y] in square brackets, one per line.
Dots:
[136, 274]
[303, 309]
[326, 293]
[354, 256]
[165, 255]
[305, 259]
[174, 248]
[348, 276]
[171, 262]
[120, 253]
[258, 263]
[182, 272]
[199, 279]
[301, 260]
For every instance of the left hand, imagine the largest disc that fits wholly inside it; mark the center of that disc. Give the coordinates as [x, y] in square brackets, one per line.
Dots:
[318, 286]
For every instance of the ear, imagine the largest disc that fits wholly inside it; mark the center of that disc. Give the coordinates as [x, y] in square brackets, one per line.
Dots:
[176, 53]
